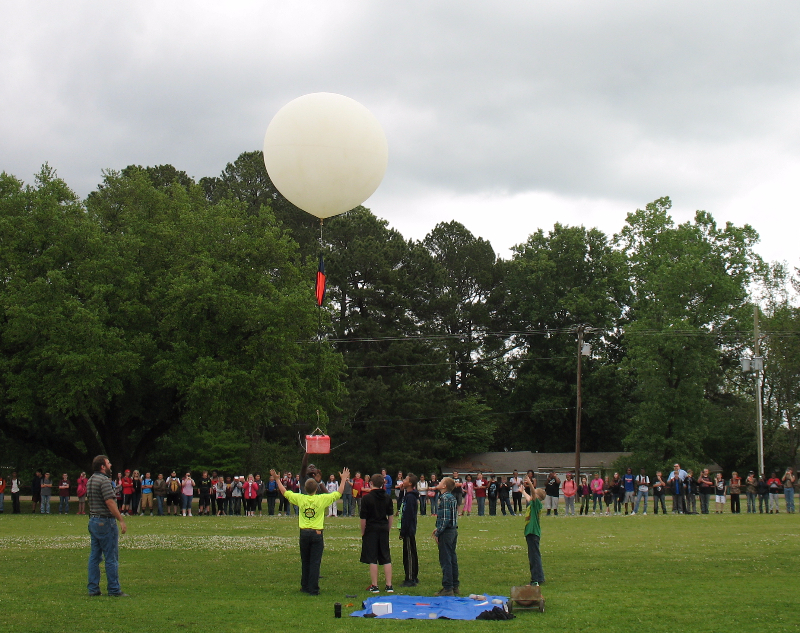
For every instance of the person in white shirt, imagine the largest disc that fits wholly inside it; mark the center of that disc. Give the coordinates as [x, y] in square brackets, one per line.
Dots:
[480, 493]
[332, 486]
[643, 488]
[422, 489]
[15, 490]
[516, 493]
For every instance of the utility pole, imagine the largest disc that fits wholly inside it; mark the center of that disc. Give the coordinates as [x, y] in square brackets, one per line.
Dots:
[759, 368]
[578, 410]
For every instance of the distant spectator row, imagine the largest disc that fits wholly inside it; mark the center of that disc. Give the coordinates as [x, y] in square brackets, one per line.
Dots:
[140, 493]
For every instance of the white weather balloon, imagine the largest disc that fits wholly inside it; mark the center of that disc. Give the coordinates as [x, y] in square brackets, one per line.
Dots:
[325, 153]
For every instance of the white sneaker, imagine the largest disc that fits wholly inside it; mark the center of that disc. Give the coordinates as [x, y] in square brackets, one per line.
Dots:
[190, 514]
[644, 513]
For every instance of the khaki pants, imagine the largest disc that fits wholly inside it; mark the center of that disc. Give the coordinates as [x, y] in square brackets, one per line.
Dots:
[147, 501]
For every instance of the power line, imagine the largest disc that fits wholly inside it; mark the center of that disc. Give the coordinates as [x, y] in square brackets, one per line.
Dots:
[477, 338]
[476, 362]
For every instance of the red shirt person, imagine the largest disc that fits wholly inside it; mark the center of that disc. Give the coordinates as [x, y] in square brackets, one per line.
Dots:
[127, 492]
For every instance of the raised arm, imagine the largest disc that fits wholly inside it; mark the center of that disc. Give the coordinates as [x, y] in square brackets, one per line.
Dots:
[345, 475]
[523, 491]
[278, 481]
[304, 467]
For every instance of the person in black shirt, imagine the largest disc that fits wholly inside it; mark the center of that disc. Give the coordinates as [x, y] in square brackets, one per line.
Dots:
[36, 490]
[691, 491]
[503, 493]
[376, 524]
[204, 489]
[408, 530]
[551, 487]
[706, 488]
[458, 491]
[763, 493]
[491, 493]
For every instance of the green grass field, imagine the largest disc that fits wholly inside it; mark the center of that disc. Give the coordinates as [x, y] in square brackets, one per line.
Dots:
[644, 574]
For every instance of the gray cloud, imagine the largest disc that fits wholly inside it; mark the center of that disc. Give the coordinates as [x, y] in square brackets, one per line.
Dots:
[620, 101]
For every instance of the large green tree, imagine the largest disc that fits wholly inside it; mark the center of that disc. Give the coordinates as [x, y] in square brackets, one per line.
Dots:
[247, 181]
[146, 309]
[780, 347]
[556, 281]
[690, 293]
[399, 410]
[462, 293]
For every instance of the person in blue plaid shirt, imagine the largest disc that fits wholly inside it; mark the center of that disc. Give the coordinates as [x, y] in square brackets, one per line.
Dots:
[446, 537]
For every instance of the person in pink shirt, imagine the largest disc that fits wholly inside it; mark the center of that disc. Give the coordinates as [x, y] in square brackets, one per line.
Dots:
[597, 493]
[469, 487]
[187, 493]
[250, 492]
[81, 492]
[569, 488]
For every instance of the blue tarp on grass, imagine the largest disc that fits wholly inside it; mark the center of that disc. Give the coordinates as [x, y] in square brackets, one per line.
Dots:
[425, 608]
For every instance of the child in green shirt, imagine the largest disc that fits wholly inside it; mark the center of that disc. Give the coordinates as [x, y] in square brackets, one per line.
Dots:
[533, 530]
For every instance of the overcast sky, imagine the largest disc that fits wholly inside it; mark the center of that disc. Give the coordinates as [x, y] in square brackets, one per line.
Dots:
[506, 116]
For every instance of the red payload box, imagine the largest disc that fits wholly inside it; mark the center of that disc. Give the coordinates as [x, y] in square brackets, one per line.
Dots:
[318, 444]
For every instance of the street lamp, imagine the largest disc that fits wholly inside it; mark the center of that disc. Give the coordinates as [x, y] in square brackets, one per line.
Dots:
[584, 349]
[756, 365]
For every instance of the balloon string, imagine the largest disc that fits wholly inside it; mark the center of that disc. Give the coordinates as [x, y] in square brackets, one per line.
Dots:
[319, 326]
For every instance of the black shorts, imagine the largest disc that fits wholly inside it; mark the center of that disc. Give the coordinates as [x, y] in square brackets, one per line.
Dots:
[375, 548]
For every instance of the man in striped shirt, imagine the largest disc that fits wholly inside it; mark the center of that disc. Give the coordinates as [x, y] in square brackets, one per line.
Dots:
[446, 537]
[103, 529]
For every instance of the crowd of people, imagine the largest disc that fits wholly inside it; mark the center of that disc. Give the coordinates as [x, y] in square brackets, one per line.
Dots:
[618, 494]
[378, 498]
[689, 494]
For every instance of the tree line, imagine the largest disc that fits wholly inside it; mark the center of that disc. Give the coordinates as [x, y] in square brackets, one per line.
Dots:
[166, 321]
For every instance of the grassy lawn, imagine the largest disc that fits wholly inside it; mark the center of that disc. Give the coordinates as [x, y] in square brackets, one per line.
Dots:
[643, 574]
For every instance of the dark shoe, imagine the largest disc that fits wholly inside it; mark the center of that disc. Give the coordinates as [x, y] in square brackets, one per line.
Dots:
[444, 592]
[408, 583]
[373, 589]
[389, 589]
[94, 595]
[119, 595]
[456, 590]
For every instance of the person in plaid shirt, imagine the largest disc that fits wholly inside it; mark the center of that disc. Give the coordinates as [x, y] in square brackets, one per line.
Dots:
[446, 537]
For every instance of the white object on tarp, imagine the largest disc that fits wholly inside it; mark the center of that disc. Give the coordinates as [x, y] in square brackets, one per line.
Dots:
[381, 608]
[326, 153]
